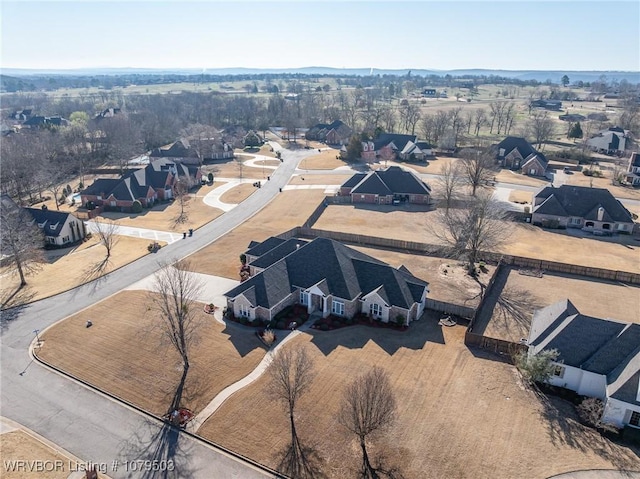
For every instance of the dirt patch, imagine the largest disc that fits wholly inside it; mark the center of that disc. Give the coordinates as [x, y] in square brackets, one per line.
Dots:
[19, 446]
[124, 353]
[289, 209]
[238, 194]
[520, 295]
[67, 268]
[432, 373]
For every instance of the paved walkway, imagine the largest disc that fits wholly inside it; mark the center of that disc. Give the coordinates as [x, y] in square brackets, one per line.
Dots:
[259, 370]
[598, 474]
[213, 197]
[257, 158]
[153, 235]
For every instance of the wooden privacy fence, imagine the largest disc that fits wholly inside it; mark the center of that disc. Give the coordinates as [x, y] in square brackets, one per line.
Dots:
[450, 308]
[499, 346]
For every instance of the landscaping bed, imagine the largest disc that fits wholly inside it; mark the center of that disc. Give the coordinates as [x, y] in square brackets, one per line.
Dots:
[336, 322]
[289, 318]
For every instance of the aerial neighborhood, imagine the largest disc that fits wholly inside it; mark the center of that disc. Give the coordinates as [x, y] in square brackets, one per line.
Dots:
[240, 266]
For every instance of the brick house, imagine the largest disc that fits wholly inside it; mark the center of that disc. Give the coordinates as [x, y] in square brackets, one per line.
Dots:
[390, 186]
[517, 153]
[155, 182]
[330, 278]
[591, 209]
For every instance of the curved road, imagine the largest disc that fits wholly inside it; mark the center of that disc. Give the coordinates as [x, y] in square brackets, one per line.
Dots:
[85, 422]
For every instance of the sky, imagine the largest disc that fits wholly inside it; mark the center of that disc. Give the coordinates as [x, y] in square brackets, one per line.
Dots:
[438, 35]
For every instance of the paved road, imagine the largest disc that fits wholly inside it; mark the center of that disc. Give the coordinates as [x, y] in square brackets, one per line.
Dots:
[86, 423]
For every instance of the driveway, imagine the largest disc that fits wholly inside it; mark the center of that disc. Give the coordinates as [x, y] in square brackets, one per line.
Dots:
[87, 423]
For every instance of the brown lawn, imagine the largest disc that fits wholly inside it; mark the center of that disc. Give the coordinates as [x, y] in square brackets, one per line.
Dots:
[599, 298]
[453, 286]
[579, 179]
[411, 223]
[124, 353]
[325, 160]
[230, 169]
[238, 194]
[519, 196]
[459, 414]
[289, 209]
[318, 179]
[265, 150]
[66, 269]
[508, 176]
[162, 217]
[18, 445]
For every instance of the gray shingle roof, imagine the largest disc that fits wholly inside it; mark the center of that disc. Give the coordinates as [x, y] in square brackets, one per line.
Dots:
[392, 181]
[259, 249]
[51, 222]
[601, 346]
[581, 202]
[515, 142]
[400, 141]
[277, 253]
[344, 272]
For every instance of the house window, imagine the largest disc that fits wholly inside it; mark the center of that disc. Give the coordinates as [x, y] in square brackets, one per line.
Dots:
[589, 224]
[337, 307]
[558, 372]
[635, 419]
[375, 309]
[304, 298]
[65, 239]
[362, 197]
[243, 310]
[51, 240]
[575, 221]
[606, 226]
[113, 203]
[532, 171]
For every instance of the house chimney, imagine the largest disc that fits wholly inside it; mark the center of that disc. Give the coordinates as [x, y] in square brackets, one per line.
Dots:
[600, 213]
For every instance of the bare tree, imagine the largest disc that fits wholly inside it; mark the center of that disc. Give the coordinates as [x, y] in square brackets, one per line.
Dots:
[368, 408]
[106, 231]
[479, 120]
[481, 226]
[181, 195]
[291, 373]
[174, 295]
[540, 127]
[21, 239]
[450, 181]
[478, 167]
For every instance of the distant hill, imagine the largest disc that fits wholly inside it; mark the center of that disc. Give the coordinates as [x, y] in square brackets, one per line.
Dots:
[538, 75]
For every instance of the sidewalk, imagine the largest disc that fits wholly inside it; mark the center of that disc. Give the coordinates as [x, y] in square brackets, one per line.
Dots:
[152, 235]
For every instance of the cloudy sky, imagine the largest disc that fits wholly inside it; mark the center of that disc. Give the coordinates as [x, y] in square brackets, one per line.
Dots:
[510, 35]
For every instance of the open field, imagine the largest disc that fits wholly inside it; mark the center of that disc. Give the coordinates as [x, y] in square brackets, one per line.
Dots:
[318, 179]
[17, 445]
[325, 160]
[222, 257]
[67, 268]
[460, 415]
[521, 295]
[120, 353]
[455, 286]
[411, 223]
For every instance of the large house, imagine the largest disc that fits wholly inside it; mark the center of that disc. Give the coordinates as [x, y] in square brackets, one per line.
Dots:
[335, 133]
[328, 278]
[517, 153]
[147, 185]
[592, 209]
[611, 141]
[632, 176]
[390, 186]
[59, 228]
[597, 358]
[403, 147]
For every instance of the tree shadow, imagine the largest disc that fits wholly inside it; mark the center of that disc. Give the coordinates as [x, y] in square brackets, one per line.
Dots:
[415, 337]
[244, 339]
[301, 460]
[95, 273]
[564, 429]
[162, 444]
[10, 299]
[515, 307]
[11, 314]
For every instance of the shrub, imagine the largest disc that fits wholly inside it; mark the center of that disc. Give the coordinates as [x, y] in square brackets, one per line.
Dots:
[243, 258]
[400, 320]
[336, 324]
[268, 337]
[90, 205]
[348, 321]
[590, 411]
[324, 327]
[281, 325]
[136, 207]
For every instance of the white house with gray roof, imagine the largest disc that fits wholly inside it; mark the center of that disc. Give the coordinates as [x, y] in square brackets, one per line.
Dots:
[328, 277]
[58, 227]
[597, 358]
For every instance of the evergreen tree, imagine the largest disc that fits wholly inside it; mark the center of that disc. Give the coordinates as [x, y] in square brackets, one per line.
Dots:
[354, 148]
[576, 131]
